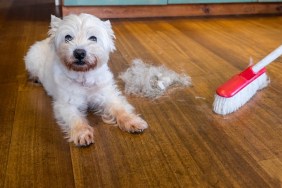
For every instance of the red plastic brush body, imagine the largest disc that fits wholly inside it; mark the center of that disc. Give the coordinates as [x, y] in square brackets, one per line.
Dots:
[238, 82]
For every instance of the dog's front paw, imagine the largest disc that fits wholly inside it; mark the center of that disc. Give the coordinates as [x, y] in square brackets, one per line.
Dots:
[132, 123]
[82, 135]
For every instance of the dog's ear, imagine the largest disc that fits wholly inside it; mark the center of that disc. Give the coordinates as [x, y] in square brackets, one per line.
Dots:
[55, 22]
[111, 34]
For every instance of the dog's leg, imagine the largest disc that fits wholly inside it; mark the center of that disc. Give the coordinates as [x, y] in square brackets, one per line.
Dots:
[122, 111]
[130, 122]
[74, 123]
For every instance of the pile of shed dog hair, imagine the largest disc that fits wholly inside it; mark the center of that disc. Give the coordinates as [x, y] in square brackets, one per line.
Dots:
[150, 81]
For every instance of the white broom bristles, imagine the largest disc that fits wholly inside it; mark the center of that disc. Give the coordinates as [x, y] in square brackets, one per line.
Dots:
[223, 105]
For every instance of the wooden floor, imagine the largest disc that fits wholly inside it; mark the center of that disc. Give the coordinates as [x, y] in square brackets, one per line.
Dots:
[187, 145]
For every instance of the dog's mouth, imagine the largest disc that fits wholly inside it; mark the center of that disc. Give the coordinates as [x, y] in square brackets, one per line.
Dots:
[79, 63]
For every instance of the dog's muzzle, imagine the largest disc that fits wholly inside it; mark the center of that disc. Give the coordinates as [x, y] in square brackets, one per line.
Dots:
[79, 61]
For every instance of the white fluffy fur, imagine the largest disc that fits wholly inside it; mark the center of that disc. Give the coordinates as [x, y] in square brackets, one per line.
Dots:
[75, 88]
[150, 81]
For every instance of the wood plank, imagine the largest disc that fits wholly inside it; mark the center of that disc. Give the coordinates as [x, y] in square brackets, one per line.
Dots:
[167, 46]
[176, 10]
[7, 111]
[38, 154]
[241, 46]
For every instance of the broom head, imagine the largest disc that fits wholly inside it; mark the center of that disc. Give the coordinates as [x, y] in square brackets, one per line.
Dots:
[239, 90]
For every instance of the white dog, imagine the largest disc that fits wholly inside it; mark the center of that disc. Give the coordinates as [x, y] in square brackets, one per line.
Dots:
[72, 66]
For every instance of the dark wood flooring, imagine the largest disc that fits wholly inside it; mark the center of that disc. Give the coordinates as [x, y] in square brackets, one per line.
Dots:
[187, 145]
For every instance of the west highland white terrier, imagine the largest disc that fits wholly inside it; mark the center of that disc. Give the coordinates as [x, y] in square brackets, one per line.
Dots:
[72, 66]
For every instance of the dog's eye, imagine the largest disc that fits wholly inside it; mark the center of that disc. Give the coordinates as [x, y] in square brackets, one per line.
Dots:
[93, 38]
[68, 38]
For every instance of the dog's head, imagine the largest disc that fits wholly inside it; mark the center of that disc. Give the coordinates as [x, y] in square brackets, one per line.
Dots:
[82, 42]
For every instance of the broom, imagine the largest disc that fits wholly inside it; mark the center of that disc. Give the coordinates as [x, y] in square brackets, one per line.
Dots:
[237, 91]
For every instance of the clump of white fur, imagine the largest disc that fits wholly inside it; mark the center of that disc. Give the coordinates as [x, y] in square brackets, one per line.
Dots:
[150, 81]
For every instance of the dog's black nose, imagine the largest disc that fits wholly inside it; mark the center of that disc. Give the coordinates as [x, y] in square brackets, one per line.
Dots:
[79, 54]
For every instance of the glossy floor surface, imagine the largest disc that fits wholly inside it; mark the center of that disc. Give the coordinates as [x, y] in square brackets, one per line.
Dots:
[186, 145]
